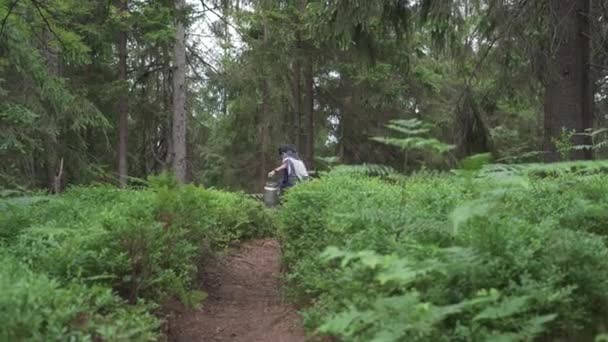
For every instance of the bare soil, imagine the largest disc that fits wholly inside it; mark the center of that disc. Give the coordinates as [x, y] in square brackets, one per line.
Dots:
[243, 304]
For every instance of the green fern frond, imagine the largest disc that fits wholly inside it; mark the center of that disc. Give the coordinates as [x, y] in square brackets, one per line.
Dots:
[408, 131]
[415, 143]
[373, 170]
[415, 130]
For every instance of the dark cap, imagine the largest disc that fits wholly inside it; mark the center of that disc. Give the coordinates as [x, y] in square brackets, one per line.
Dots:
[287, 148]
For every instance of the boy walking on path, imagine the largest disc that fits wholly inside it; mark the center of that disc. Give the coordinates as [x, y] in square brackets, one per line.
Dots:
[293, 167]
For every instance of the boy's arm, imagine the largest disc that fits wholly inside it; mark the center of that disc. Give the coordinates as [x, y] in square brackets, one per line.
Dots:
[281, 167]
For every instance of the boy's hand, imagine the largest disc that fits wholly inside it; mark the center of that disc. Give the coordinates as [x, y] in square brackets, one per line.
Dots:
[271, 174]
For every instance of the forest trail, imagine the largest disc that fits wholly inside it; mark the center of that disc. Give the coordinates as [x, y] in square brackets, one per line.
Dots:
[244, 303]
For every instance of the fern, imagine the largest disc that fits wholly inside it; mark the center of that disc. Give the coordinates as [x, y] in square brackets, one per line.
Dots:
[415, 143]
[373, 170]
[564, 145]
[403, 314]
[414, 131]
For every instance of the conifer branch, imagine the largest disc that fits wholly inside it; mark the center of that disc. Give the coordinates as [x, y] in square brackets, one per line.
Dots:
[47, 23]
[222, 18]
[202, 60]
[10, 11]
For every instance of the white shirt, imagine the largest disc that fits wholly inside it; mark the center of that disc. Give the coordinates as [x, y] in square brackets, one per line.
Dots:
[296, 167]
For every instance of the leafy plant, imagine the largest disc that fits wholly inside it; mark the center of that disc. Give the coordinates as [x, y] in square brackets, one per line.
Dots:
[36, 308]
[414, 138]
[95, 254]
[563, 143]
[414, 131]
[496, 255]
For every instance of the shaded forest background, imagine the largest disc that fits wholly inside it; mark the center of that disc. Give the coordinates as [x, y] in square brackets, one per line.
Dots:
[113, 91]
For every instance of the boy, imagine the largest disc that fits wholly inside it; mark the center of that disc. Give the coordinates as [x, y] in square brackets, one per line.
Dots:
[293, 168]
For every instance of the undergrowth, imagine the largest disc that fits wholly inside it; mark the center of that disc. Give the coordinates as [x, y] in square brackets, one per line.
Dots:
[96, 262]
[436, 257]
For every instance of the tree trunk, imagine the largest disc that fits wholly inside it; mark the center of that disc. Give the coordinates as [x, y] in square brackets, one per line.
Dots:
[263, 122]
[307, 108]
[299, 116]
[50, 147]
[264, 134]
[309, 112]
[179, 96]
[123, 103]
[568, 94]
[470, 132]
[165, 136]
[297, 102]
[352, 141]
[226, 56]
[51, 57]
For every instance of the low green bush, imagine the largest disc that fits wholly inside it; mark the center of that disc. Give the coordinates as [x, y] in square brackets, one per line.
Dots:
[35, 307]
[136, 245]
[449, 258]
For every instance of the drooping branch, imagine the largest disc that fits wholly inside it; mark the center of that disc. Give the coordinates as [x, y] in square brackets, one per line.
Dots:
[38, 6]
[202, 60]
[222, 18]
[193, 69]
[144, 75]
[8, 13]
[493, 42]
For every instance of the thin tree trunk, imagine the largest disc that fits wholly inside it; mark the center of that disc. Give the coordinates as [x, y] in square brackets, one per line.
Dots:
[341, 139]
[587, 91]
[226, 56]
[123, 103]
[165, 136]
[50, 147]
[263, 121]
[298, 119]
[353, 140]
[297, 102]
[263, 148]
[51, 57]
[306, 121]
[568, 94]
[57, 178]
[309, 112]
[180, 119]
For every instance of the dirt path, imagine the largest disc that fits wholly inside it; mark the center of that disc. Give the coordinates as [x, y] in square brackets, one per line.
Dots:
[244, 303]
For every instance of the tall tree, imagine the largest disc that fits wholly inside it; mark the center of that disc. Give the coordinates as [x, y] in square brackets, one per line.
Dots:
[309, 112]
[296, 89]
[123, 100]
[264, 114]
[180, 119]
[568, 90]
[51, 55]
[306, 118]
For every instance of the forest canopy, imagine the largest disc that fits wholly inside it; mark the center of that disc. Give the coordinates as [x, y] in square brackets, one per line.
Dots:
[96, 91]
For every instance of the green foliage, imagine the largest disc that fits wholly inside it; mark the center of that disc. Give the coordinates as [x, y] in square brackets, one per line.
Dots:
[37, 308]
[413, 129]
[372, 170]
[392, 274]
[371, 62]
[83, 251]
[475, 162]
[449, 258]
[540, 170]
[510, 146]
[563, 143]
[565, 146]
[41, 110]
